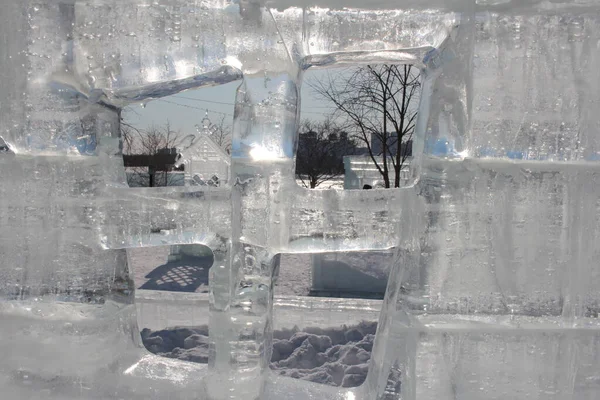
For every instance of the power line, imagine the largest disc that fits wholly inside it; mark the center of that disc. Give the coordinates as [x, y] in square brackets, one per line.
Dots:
[232, 104]
[204, 101]
[195, 108]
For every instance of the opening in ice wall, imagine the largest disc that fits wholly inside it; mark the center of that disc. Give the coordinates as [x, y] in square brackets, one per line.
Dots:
[368, 132]
[172, 299]
[107, 57]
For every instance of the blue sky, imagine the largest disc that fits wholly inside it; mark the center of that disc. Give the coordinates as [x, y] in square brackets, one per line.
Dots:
[187, 109]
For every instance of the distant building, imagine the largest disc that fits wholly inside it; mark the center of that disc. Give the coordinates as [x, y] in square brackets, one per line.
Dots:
[206, 163]
[360, 170]
[153, 170]
[392, 142]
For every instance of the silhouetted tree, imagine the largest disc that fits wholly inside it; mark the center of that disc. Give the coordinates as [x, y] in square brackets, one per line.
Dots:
[321, 148]
[151, 141]
[378, 105]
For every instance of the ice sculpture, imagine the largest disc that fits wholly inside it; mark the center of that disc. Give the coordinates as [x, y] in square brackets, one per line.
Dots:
[493, 289]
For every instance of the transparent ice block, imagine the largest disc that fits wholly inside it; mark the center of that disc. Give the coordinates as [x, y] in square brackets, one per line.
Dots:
[492, 286]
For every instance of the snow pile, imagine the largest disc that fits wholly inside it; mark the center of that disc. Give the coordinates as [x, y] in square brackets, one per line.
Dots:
[332, 356]
[189, 344]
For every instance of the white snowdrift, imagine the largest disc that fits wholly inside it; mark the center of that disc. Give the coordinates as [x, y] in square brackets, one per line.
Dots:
[333, 356]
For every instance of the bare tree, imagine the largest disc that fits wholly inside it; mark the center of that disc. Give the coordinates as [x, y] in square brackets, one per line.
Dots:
[378, 104]
[153, 141]
[219, 132]
[221, 135]
[321, 149]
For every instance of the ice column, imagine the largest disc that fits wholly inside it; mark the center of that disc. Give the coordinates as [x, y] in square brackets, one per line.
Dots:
[61, 152]
[263, 148]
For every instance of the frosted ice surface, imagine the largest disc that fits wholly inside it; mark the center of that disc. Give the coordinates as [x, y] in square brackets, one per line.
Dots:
[493, 291]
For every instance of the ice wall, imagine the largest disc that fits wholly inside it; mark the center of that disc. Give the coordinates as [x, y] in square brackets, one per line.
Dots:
[504, 226]
[535, 84]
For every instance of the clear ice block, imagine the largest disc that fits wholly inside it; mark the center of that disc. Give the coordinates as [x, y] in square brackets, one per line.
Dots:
[492, 287]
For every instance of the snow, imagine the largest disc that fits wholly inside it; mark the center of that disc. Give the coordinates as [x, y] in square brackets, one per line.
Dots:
[294, 275]
[336, 272]
[332, 356]
[336, 356]
[152, 271]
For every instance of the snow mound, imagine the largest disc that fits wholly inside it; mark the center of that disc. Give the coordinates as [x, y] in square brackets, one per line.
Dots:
[332, 356]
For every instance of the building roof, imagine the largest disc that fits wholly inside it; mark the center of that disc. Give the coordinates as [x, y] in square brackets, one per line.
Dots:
[203, 147]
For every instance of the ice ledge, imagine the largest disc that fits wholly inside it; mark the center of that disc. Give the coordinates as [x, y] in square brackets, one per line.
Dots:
[185, 380]
[159, 309]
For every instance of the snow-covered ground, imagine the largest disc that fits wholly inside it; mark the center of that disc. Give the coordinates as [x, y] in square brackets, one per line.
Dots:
[334, 353]
[334, 356]
[152, 271]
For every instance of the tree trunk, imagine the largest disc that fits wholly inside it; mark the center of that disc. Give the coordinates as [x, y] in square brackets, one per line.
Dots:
[400, 134]
[151, 173]
[386, 171]
[386, 177]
